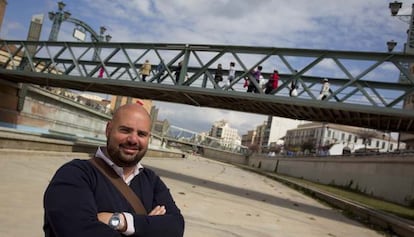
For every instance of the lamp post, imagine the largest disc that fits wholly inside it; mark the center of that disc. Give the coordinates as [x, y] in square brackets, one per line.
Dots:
[322, 140]
[61, 16]
[394, 8]
[57, 18]
[391, 45]
[389, 142]
[102, 38]
[408, 46]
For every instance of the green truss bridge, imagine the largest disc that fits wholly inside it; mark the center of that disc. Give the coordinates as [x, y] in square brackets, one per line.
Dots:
[369, 89]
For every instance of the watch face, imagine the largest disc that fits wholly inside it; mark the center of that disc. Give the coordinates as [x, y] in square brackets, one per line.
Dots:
[115, 221]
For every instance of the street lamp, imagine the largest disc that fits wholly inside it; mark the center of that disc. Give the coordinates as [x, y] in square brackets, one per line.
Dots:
[57, 18]
[61, 5]
[389, 140]
[408, 47]
[391, 45]
[394, 8]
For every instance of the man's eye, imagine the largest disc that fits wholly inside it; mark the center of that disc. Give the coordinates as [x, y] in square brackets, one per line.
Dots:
[124, 130]
[142, 134]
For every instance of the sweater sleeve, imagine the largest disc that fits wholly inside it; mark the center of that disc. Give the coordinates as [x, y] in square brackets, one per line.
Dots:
[69, 204]
[171, 224]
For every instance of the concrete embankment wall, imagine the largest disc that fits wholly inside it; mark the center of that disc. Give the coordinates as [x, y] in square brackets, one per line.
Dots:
[389, 178]
[12, 139]
[43, 111]
[386, 177]
[225, 156]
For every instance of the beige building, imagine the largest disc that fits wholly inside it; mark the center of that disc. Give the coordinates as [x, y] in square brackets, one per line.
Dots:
[228, 136]
[270, 133]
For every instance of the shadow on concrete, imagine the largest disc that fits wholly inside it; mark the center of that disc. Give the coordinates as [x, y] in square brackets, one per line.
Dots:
[253, 195]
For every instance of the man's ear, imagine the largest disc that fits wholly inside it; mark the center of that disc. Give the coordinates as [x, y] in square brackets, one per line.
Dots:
[108, 128]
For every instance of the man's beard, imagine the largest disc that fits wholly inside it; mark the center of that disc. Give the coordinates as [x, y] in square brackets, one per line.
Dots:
[121, 159]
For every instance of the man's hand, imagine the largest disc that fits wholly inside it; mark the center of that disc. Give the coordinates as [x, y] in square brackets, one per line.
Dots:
[104, 217]
[158, 211]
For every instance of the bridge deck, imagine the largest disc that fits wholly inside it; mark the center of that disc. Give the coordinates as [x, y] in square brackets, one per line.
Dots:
[368, 89]
[295, 108]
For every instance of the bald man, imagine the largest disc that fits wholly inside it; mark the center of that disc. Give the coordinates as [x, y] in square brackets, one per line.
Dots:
[81, 201]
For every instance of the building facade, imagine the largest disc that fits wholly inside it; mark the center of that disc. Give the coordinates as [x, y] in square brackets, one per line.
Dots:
[269, 134]
[228, 136]
[321, 137]
[275, 130]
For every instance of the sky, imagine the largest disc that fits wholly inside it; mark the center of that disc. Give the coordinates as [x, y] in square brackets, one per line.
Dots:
[352, 25]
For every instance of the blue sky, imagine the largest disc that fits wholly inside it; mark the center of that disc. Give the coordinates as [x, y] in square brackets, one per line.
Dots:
[357, 25]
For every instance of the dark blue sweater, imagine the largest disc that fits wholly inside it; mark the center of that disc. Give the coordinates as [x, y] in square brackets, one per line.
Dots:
[78, 191]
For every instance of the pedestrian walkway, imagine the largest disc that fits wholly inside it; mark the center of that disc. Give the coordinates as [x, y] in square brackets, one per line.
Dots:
[216, 199]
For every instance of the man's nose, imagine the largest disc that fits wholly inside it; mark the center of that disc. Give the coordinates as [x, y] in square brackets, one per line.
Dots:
[132, 138]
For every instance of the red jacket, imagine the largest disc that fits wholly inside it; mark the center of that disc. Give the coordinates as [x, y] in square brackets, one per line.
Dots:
[274, 79]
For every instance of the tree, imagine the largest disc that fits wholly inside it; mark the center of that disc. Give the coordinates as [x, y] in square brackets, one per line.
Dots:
[308, 145]
[253, 147]
[366, 135]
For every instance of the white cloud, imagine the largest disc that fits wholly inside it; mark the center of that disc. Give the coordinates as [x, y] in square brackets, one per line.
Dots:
[201, 118]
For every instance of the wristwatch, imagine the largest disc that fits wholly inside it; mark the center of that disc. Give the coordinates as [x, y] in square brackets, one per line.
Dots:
[115, 221]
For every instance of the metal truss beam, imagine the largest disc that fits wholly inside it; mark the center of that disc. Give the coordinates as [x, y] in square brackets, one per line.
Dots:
[366, 83]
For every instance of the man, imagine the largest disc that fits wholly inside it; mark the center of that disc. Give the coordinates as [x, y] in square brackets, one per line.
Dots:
[81, 201]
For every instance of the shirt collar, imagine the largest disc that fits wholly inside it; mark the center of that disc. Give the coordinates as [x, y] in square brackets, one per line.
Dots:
[119, 170]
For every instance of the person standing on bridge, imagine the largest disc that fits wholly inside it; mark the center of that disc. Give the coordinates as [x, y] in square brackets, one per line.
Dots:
[257, 73]
[273, 82]
[293, 87]
[218, 75]
[178, 71]
[160, 71]
[81, 200]
[145, 70]
[232, 74]
[325, 90]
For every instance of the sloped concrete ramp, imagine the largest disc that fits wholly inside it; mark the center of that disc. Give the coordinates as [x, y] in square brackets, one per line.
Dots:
[216, 199]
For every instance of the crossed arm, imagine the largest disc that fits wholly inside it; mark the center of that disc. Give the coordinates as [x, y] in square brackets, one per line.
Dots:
[105, 216]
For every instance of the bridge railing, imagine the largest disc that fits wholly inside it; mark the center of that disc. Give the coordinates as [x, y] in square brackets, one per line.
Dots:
[179, 135]
[365, 78]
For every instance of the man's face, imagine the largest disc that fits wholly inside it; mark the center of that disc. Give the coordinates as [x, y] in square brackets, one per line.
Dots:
[128, 137]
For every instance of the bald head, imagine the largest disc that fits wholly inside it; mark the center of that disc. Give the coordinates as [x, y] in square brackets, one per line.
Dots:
[130, 108]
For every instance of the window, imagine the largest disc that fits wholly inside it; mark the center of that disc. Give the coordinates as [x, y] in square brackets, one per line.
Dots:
[349, 137]
[355, 139]
[383, 145]
[219, 132]
[377, 144]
